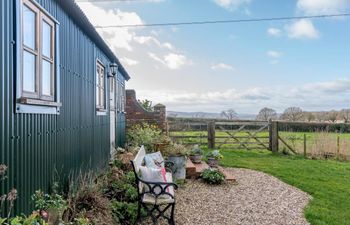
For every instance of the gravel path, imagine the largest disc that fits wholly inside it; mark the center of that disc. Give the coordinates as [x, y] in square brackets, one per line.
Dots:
[256, 198]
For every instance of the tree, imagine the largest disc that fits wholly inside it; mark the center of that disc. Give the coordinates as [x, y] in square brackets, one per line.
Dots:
[309, 116]
[229, 114]
[332, 116]
[345, 114]
[146, 104]
[199, 115]
[266, 114]
[292, 114]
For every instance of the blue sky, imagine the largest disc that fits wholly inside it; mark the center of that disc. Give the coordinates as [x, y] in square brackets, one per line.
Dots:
[243, 66]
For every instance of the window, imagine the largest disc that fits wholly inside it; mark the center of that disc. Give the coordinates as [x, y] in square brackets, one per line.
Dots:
[100, 87]
[38, 55]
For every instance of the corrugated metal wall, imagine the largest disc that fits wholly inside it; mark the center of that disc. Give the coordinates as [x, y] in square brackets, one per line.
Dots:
[34, 146]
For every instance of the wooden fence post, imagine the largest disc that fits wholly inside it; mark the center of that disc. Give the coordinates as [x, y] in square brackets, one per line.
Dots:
[273, 135]
[338, 146]
[305, 146]
[211, 135]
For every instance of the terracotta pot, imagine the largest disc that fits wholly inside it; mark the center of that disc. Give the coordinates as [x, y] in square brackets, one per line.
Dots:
[196, 159]
[212, 162]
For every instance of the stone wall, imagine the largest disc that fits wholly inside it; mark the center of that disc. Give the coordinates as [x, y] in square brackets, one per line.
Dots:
[136, 114]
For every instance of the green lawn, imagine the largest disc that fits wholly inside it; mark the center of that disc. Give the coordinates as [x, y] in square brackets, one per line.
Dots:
[327, 181]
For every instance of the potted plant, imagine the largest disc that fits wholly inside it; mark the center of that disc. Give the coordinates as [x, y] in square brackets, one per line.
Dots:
[177, 153]
[162, 143]
[214, 157]
[196, 155]
[213, 176]
[50, 207]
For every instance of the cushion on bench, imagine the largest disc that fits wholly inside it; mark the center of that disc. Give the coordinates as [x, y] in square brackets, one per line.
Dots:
[154, 160]
[161, 199]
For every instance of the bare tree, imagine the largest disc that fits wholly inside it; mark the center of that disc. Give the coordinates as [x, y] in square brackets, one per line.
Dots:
[332, 116]
[345, 114]
[229, 114]
[266, 114]
[199, 115]
[292, 114]
[309, 116]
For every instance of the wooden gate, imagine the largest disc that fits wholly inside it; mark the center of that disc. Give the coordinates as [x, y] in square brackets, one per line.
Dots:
[222, 134]
[242, 135]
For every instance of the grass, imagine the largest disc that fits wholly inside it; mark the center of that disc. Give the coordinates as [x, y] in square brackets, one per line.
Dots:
[328, 182]
[317, 142]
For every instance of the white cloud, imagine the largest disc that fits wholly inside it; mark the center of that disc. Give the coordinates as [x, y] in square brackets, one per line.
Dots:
[168, 45]
[336, 86]
[233, 4]
[128, 61]
[175, 61]
[149, 40]
[315, 7]
[302, 29]
[274, 32]
[222, 66]
[115, 37]
[172, 61]
[315, 96]
[274, 54]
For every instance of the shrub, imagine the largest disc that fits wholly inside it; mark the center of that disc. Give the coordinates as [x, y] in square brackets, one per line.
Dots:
[144, 134]
[212, 176]
[45, 201]
[176, 150]
[6, 198]
[124, 212]
[196, 151]
[215, 154]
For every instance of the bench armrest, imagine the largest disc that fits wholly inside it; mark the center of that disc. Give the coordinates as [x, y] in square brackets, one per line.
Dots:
[158, 188]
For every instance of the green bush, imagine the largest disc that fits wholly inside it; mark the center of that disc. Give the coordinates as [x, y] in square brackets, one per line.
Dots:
[212, 176]
[44, 201]
[144, 134]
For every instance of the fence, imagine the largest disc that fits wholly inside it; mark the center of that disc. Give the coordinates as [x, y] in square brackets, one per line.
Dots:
[221, 133]
[314, 140]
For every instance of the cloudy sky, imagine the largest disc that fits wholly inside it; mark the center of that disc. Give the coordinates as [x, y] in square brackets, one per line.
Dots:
[244, 66]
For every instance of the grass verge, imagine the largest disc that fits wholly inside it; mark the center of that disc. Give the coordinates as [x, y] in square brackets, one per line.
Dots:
[327, 181]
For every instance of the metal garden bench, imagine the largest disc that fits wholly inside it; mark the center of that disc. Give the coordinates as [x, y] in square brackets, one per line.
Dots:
[156, 198]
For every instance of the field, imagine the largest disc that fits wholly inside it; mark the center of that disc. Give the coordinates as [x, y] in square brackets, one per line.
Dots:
[317, 143]
[327, 181]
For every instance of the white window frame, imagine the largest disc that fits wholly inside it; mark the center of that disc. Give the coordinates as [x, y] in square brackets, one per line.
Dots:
[37, 102]
[100, 90]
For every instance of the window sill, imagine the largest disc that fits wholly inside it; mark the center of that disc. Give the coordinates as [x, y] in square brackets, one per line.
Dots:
[35, 106]
[30, 101]
[101, 112]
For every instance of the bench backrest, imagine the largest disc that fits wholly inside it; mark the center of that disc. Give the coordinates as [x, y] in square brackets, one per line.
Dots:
[139, 159]
[136, 163]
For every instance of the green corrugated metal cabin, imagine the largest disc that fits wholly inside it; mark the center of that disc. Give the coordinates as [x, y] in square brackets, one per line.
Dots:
[61, 95]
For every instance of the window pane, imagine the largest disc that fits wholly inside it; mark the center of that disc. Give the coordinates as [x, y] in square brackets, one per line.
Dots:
[28, 72]
[28, 27]
[46, 40]
[46, 78]
[97, 87]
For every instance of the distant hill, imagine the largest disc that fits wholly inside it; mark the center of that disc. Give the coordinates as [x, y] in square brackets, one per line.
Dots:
[206, 115]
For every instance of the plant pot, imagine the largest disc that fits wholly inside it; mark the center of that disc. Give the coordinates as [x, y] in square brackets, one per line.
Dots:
[179, 161]
[196, 159]
[161, 146]
[212, 162]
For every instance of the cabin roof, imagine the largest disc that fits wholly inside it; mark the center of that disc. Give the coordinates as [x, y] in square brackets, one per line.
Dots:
[79, 17]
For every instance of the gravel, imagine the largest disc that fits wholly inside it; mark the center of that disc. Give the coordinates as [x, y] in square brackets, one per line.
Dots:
[256, 198]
